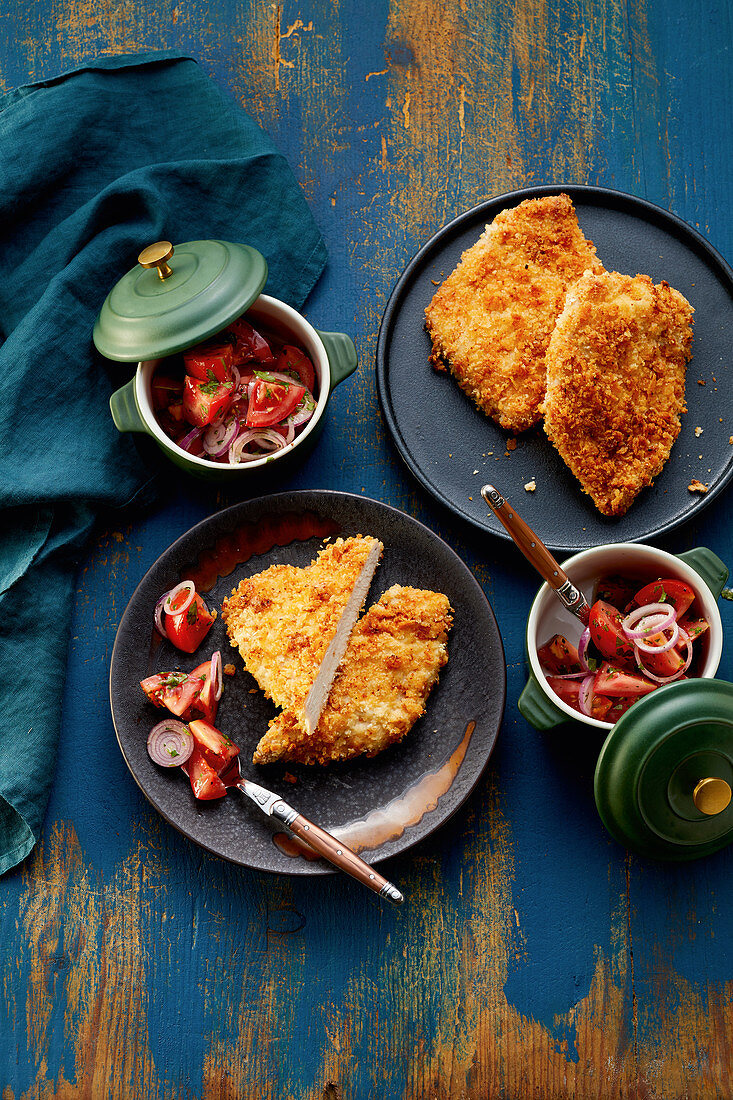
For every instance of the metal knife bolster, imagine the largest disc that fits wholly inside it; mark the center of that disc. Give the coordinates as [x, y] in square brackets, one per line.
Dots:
[283, 812]
[574, 600]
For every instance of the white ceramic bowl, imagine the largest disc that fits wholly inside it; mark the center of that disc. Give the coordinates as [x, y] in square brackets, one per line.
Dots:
[548, 616]
[333, 356]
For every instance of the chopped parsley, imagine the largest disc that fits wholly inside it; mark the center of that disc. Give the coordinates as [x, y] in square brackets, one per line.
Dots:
[192, 614]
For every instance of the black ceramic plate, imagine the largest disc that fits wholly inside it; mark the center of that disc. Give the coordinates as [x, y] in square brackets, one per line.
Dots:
[381, 806]
[453, 449]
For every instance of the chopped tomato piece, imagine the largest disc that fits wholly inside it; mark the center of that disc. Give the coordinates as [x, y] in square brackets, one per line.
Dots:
[620, 706]
[559, 656]
[568, 690]
[205, 783]
[218, 749]
[210, 362]
[679, 594]
[249, 344]
[694, 627]
[188, 629]
[166, 391]
[173, 690]
[662, 664]
[616, 590]
[205, 703]
[293, 361]
[614, 681]
[204, 401]
[600, 706]
[272, 401]
[607, 633]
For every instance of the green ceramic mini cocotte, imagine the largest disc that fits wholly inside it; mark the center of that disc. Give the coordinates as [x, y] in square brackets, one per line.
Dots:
[664, 775]
[177, 297]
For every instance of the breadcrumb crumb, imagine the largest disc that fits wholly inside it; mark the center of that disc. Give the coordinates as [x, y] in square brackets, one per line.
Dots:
[531, 486]
[696, 486]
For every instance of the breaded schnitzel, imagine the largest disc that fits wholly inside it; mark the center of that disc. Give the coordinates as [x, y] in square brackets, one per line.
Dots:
[392, 661]
[491, 320]
[292, 625]
[616, 383]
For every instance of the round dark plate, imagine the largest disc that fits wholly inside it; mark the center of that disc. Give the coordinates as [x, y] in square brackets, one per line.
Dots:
[380, 806]
[453, 449]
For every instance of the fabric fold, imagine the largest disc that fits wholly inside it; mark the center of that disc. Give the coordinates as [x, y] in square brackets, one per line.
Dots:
[97, 163]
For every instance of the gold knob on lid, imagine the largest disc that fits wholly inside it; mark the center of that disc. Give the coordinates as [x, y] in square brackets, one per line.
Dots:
[157, 255]
[711, 796]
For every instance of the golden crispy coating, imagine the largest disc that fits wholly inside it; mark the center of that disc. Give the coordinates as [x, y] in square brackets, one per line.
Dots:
[491, 320]
[392, 661]
[291, 625]
[616, 383]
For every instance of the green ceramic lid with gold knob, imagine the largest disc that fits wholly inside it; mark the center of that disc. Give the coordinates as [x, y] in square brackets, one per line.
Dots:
[664, 776]
[177, 296]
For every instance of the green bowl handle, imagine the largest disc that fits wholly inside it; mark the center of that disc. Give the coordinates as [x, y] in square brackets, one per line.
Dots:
[125, 412]
[537, 709]
[342, 357]
[709, 566]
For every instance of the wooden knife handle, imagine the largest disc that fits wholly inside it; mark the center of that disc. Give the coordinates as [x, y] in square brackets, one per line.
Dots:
[537, 553]
[342, 857]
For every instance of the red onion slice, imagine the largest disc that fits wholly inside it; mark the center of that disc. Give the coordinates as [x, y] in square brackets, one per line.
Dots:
[218, 437]
[267, 439]
[632, 631]
[190, 588]
[159, 622]
[585, 695]
[567, 675]
[170, 743]
[687, 641]
[215, 675]
[188, 440]
[583, 649]
[671, 641]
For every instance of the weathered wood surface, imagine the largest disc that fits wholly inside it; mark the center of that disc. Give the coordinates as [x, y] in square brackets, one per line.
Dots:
[534, 958]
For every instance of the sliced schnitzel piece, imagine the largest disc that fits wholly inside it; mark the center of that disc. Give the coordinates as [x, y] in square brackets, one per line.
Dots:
[616, 383]
[292, 625]
[392, 661]
[491, 320]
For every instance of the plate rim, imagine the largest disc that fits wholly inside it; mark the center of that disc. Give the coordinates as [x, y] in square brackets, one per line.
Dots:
[581, 191]
[305, 868]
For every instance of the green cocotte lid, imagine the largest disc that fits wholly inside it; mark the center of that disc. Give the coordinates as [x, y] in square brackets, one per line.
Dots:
[176, 297]
[665, 773]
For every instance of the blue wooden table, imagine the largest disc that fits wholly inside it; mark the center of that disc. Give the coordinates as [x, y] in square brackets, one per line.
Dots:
[535, 957]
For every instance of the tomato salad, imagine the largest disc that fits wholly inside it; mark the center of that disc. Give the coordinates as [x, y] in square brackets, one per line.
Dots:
[637, 639]
[238, 397]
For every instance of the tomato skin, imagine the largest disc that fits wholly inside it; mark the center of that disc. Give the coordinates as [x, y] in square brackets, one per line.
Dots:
[210, 363]
[203, 401]
[217, 749]
[559, 656]
[205, 783]
[607, 634]
[188, 628]
[616, 682]
[249, 344]
[679, 594]
[295, 361]
[272, 402]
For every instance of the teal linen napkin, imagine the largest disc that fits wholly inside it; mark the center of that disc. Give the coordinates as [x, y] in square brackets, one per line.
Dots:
[94, 165]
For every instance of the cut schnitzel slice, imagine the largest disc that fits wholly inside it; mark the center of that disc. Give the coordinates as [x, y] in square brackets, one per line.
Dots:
[491, 320]
[392, 661]
[292, 625]
[616, 383]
